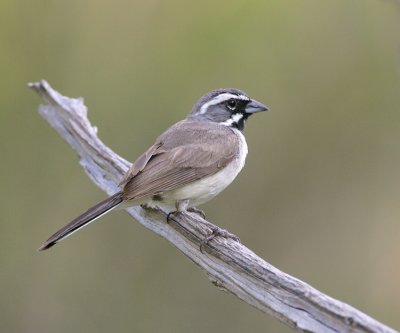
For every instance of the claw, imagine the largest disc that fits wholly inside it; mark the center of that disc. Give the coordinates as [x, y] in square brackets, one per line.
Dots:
[197, 211]
[217, 231]
[171, 214]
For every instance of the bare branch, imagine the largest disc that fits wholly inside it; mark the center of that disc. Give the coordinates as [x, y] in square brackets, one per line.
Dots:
[230, 265]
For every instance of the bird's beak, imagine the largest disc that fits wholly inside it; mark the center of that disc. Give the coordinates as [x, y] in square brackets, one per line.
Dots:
[255, 106]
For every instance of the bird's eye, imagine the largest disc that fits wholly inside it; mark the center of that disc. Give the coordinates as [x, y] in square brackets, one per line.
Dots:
[231, 104]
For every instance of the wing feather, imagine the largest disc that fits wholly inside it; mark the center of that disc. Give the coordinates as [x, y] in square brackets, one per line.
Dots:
[173, 164]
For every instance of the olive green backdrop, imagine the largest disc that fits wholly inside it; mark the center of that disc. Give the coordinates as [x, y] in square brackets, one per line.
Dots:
[318, 198]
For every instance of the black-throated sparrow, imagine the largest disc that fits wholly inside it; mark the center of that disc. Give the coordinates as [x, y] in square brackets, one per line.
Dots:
[189, 164]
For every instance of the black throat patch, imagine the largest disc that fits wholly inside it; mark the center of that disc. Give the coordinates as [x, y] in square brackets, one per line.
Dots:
[236, 120]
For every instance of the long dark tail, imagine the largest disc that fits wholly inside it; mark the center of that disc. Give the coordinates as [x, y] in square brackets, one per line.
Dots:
[89, 216]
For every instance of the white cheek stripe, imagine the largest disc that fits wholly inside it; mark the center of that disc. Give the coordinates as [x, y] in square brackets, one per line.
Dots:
[221, 98]
[235, 119]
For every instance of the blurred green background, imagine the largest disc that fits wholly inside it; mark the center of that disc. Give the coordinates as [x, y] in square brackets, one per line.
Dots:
[318, 198]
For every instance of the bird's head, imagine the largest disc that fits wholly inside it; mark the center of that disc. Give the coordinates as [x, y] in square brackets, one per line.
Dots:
[230, 107]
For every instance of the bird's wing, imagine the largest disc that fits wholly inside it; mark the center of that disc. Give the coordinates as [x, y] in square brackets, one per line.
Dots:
[175, 162]
[140, 163]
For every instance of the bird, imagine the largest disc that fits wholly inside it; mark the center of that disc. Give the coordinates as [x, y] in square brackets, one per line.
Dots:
[188, 165]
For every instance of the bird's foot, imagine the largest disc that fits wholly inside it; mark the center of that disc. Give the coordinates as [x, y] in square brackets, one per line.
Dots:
[181, 207]
[217, 231]
[173, 213]
[190, 210]
[176, 213]
[197, 211]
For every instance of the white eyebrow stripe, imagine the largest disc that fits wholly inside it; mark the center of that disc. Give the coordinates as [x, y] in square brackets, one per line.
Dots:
[234, 119]
[221, 98]
[244, 98]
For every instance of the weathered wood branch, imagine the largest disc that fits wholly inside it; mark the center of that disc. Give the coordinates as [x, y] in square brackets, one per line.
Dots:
[230, 266]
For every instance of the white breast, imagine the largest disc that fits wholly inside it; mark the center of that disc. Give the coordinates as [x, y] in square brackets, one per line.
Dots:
[207, 188]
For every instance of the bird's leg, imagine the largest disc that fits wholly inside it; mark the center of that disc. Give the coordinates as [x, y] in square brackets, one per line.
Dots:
[181, 206]
[215, 232]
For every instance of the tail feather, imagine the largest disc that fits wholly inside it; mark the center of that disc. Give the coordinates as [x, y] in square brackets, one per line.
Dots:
[89, 216]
